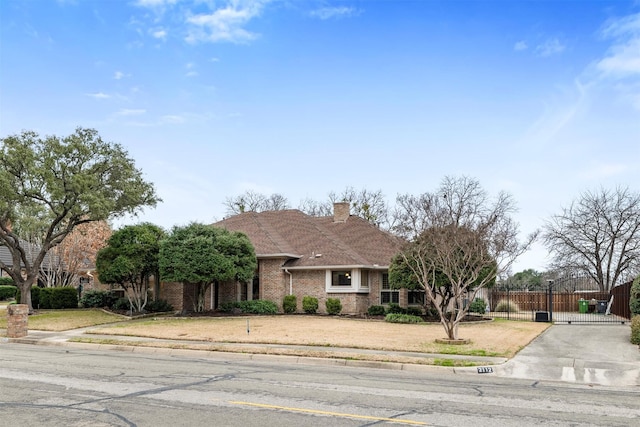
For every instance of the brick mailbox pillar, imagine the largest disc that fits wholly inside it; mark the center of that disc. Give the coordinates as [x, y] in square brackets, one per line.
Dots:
[17, 322]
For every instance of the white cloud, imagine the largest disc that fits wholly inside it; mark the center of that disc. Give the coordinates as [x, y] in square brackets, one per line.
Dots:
[155, 3]
[325, 13]
[225, 24]
[173, 119]
[118, 75]
[623, 58]
[192, 74]
[130, 112]
[520, 46]
[98, 95]
[159, 33]
[550, 47]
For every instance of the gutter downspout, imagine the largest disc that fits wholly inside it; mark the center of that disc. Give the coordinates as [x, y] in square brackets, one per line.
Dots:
[290, 281]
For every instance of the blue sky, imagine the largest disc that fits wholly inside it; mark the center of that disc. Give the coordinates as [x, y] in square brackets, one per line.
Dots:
[214, 98]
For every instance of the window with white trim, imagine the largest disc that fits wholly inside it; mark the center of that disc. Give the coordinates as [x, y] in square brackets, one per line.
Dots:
[341, 278]
[388, 295]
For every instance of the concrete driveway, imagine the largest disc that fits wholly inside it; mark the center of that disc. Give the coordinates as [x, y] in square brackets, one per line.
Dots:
[582, 354]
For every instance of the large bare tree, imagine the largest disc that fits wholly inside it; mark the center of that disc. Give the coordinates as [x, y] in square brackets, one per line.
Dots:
[367, 204]
[251, 201]
[460, 240]
[598, 235]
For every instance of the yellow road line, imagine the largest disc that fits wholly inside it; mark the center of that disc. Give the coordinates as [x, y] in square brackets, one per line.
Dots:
[333, 414]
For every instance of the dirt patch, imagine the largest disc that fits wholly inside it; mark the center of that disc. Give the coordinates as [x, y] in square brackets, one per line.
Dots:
[494, 338]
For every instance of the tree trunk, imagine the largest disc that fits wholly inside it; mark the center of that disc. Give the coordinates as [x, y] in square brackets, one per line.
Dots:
[25, 293]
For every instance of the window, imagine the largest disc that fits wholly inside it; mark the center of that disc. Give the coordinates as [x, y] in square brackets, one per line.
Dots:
[364, 279]
[388, 295]
[341, 278]
[415, 297]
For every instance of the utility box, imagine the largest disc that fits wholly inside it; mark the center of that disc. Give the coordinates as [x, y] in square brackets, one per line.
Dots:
[583, 306]
[542, 316]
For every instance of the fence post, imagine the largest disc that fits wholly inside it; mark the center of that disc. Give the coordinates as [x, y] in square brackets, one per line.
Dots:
[550, 304]
[508, 303]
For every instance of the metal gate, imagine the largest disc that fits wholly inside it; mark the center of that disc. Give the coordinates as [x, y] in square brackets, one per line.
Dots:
[566, 300]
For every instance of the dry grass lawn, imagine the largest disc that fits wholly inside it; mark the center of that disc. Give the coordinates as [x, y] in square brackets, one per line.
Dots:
[64, 320]
[494, 338]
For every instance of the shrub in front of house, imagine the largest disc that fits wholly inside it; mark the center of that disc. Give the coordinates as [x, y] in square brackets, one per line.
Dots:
[394, 308]
[121, 304]
[289, 304]
[258, 306]
[227, 307]
[376, 310]
[52, 298]
[414, 311]
[309, 304]
[505, 306]
[6, 281]
[478, 306]
[635, 330]
[333, 305]
[7, 292]
[158, 306]
[97, 299]
[402, 318]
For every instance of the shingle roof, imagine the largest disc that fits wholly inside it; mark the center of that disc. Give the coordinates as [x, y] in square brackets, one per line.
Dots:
[315, 241]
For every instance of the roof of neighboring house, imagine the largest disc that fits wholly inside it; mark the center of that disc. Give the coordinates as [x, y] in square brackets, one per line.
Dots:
[32, 249]
[309, 241]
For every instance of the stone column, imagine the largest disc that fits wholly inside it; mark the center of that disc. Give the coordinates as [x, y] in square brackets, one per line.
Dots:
[18, 315]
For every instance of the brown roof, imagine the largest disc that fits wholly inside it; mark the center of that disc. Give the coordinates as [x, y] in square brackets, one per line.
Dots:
[309, 241]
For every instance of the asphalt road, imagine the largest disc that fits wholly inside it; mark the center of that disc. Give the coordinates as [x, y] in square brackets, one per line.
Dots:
[66, 386]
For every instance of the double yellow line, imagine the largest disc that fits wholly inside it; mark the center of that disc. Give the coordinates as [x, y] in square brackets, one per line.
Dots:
[333, 414]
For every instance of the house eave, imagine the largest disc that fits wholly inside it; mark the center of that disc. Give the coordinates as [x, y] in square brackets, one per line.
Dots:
[278, 256]
[337, 267]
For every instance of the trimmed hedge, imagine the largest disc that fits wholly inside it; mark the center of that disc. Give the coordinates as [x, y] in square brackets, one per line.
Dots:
[289, 304]
[478, 306]
[258, 306]
[97, 299]
[6, 281]
[635, 330]
[376, 310]
[634, 301]
[158, 306]
[402, 318]
[310, 304]
[7, 292]
[52, 298]
[333, 305]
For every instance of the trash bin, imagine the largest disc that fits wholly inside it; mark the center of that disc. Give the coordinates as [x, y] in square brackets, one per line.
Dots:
[583, 306]
[602, 306]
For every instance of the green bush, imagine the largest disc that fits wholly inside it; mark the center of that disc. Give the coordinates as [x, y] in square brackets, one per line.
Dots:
[402, 318]
[376, 310]
[414, 311]
[478, 306]
[97, 299]
[6, 281]
[634, 301]
[258, 306]
[227, 307]
[121, 304]
[504, 306]
[395, 309]
[333, 305]
[290, 304]
[310, 304]
[158, 306]
[635, 330]
[52, 298]
[7, 292]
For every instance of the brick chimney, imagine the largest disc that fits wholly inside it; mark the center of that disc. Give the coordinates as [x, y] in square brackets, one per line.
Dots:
[340, 211]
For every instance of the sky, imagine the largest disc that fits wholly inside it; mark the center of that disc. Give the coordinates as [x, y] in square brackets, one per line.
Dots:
[213, 98]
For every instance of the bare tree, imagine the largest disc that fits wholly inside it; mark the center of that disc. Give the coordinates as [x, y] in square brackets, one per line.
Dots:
[460, 241]
[369, 205]
[598, 235]
[250, 201]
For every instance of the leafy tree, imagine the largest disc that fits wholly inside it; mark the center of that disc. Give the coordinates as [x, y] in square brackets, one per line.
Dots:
[460, 241]
[251, 201]
[529, 279]
[598, 235]
[201, 255]
[129, 259]
[50, 185]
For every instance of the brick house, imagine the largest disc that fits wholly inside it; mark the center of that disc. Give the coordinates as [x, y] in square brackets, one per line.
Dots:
[340, 256]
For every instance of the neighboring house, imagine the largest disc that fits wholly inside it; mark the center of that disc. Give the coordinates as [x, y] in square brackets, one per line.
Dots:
[32, 249]
[342, 256]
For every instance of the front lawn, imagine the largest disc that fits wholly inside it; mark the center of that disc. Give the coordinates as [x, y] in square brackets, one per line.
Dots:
[63, 320]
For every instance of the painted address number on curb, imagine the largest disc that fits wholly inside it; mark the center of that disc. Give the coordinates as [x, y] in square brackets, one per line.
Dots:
[485, 370]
